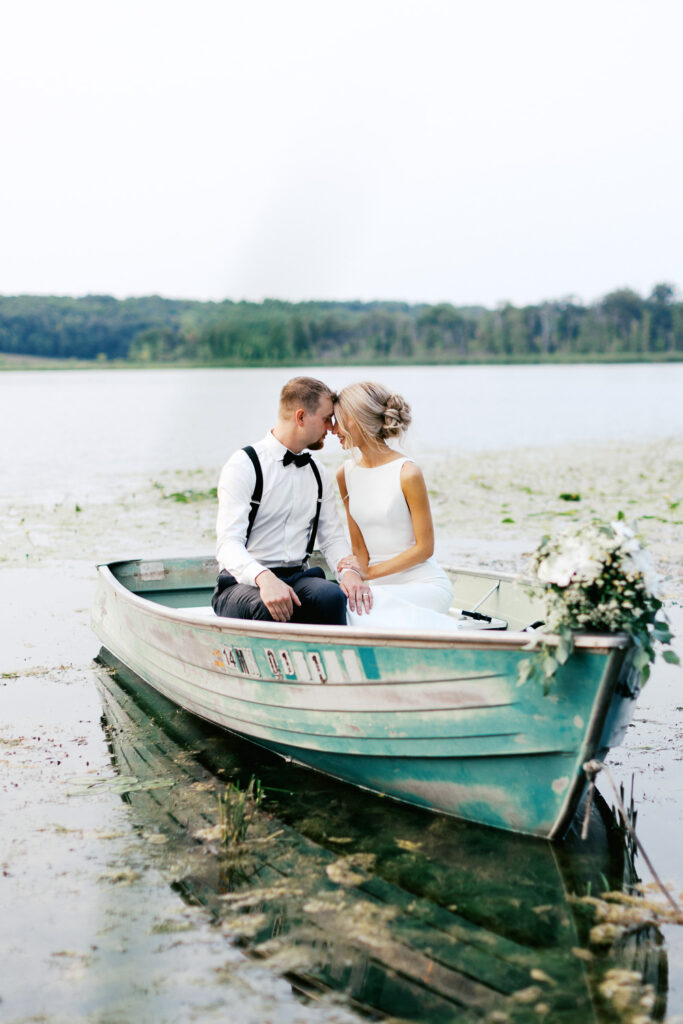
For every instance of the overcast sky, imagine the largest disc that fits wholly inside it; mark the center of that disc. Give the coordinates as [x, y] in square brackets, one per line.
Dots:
[469, 151]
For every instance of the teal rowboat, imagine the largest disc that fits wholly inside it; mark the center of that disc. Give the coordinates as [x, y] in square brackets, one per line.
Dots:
[433, 719]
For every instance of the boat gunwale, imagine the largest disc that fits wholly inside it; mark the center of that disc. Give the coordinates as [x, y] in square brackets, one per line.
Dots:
[474, 639]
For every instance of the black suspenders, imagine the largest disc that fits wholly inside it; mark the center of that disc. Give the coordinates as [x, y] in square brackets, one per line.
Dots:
[316, 518]
[258, 493]
[258, 488]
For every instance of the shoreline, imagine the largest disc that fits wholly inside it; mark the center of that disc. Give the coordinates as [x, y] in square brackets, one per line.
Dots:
[10, 362]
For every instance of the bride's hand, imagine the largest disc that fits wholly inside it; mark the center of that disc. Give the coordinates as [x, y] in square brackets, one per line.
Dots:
[351, 562]
[358, 593]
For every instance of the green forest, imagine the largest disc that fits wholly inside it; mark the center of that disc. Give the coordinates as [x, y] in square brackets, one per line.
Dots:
[153, 330]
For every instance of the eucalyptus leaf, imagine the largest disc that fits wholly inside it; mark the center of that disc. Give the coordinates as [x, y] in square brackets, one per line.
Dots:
[671, 657]
[640, 659]
[562, 651]
[524, 671]
[662, 632]
[550, 666]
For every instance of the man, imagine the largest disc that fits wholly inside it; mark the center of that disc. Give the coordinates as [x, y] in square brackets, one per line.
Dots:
[264, 541]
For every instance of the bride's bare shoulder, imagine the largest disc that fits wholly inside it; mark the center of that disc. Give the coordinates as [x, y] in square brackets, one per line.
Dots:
[410, 470]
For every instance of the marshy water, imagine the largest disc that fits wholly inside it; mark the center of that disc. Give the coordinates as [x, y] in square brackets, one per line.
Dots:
[122, 900]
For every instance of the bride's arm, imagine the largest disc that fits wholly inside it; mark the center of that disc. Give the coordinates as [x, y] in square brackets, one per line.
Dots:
[415, 492]
[357, 543]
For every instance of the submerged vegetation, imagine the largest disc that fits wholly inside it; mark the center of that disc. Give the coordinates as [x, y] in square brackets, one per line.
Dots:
[236, 810]
[622, 325]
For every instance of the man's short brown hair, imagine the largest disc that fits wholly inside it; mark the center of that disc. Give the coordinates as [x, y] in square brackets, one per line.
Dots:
[304, 393]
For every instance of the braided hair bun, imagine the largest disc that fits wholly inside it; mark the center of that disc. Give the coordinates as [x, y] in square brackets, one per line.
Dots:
[376, 413]
[396, 418]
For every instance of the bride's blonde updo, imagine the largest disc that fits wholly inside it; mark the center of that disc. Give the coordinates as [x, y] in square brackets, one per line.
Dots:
[378, 414]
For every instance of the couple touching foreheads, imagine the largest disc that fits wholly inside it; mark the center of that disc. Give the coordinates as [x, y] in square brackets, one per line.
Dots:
[276, 502]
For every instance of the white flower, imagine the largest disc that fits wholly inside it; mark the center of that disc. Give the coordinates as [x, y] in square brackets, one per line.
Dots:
[641, 563]
[621, 531]
[576, 559]
[625, 538]
[596, 575]
[558, 570]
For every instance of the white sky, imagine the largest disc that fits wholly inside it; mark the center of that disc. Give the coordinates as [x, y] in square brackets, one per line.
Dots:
[468, 151]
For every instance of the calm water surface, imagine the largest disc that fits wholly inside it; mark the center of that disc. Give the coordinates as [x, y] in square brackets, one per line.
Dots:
[444, 921]
[59, 428]
[406, 914]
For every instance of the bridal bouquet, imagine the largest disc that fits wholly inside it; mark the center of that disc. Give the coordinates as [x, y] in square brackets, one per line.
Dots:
[598, 577]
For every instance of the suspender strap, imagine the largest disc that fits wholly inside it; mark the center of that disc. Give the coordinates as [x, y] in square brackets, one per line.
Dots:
[258, 492]
[316, 518]
[258, 488]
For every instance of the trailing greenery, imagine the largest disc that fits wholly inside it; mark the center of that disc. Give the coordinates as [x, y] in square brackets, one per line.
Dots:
[622, 325]
[596, 577]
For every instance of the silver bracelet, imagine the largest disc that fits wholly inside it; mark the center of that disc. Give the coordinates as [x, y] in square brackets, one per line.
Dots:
[348, 568]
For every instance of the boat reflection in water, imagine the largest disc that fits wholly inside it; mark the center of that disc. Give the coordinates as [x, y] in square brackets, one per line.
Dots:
[407, 914]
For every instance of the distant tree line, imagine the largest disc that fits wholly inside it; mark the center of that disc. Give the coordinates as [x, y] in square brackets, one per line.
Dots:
[156, 330]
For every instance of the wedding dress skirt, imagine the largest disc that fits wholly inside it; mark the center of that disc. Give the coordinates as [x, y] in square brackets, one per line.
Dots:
[417, 598]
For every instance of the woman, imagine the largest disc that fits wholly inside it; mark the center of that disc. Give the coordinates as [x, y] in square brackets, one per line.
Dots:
[387, 507]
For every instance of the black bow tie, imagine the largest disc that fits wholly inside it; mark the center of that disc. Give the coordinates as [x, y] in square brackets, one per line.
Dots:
[298, 460]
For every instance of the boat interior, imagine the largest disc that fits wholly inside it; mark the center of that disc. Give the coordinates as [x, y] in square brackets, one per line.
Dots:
[484, 600]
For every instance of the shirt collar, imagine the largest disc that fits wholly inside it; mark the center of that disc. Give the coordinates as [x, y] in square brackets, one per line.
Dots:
[275, 447]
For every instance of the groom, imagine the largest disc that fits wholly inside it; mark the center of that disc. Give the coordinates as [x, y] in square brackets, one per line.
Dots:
[273, 503]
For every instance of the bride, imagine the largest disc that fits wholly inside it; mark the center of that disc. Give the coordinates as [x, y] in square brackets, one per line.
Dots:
[390, 521]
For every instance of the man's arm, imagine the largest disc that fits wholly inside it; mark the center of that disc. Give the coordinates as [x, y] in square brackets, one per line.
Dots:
[235, 488]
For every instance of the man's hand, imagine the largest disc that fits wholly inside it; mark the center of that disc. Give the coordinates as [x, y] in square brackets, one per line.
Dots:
[358, 593]
[277, 596]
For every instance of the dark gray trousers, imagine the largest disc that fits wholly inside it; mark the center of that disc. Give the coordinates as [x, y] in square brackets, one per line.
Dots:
[322, 601]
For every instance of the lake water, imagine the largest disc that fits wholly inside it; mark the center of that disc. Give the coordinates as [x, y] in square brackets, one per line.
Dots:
[453, 923]
[59, 428]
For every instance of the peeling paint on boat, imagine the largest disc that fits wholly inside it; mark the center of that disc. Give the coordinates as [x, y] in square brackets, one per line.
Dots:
[433, 719]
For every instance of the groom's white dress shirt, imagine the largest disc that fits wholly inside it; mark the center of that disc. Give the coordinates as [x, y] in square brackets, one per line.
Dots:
[284, 518]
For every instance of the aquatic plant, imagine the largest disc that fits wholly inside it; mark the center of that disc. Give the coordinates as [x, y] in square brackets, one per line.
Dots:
[596, 576]
[189, 495]
[236, 809]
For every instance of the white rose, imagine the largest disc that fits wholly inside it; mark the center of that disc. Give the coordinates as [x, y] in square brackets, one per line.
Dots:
[558, 570]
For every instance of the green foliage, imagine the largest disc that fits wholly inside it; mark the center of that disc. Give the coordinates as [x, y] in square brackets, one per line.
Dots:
[598, 577]
[546, 660]
[189, 495]
[236, 809]
[150, 330]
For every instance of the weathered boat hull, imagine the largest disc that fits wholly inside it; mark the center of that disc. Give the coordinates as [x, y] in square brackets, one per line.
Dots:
[433, 720]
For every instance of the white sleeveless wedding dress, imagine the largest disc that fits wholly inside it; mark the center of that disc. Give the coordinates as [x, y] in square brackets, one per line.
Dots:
[417, 598]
